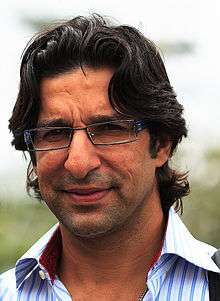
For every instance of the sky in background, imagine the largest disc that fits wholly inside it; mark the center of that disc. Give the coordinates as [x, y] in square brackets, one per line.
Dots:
[195, 76]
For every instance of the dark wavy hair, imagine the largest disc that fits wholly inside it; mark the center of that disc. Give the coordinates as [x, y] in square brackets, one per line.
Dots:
[139, 87]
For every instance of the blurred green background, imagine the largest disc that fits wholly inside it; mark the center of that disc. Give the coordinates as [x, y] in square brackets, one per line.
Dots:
[24, 221]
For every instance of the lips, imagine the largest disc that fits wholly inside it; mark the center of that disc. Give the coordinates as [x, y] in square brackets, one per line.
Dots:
[87, 195]
[85, 191]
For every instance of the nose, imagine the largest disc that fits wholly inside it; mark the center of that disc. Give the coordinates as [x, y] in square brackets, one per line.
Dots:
[82, 156]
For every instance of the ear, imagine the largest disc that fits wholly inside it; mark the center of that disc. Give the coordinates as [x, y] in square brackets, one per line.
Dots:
[163, 152]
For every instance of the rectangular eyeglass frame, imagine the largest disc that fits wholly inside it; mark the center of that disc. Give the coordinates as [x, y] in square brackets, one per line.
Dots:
[135, 127]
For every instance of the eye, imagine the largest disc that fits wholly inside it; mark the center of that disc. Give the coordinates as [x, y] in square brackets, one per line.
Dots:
[53, 134]
[113, 126]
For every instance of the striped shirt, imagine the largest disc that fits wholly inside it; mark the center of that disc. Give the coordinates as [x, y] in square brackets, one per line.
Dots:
[179, 274]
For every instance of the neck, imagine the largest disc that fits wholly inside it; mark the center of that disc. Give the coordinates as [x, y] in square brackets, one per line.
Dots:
[128, 252]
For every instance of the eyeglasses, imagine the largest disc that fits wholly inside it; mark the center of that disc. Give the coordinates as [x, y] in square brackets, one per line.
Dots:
[103, 133]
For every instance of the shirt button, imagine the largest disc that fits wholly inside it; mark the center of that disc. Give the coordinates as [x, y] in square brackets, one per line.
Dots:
[42, 275]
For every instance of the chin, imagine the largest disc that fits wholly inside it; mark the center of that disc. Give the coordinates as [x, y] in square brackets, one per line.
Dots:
[90, 229]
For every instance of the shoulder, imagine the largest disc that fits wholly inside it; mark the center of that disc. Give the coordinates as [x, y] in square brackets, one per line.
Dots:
[175, 278]
[25, 267]
[8, 285]
[179, 241]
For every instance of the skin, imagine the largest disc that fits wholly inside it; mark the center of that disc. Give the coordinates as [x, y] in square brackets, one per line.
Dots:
[117, 229]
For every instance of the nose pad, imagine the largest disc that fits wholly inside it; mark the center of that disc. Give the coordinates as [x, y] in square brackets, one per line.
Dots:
[82, 157]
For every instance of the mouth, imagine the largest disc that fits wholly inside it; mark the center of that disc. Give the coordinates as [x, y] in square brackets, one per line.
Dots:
[85, 196]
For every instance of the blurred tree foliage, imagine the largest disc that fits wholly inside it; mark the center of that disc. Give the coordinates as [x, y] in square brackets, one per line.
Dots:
[202, 210]
[22, 223]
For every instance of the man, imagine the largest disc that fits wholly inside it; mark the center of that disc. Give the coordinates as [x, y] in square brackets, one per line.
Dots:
[100, 120]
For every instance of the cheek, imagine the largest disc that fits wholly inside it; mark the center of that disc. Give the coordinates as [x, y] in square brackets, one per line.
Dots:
[131, 163]
[47, 164]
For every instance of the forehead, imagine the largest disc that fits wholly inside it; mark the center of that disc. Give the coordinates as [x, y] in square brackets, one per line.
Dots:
[77, 95]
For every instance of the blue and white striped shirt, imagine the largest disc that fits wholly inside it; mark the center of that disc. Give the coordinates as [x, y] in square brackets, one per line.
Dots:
[180, 273]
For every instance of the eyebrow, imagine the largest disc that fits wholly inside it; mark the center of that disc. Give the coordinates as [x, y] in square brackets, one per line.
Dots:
[53, 123]
[105, 118]
[93, 119]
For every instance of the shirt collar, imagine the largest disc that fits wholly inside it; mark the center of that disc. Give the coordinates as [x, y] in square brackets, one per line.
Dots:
[45, 253]
[179, 241]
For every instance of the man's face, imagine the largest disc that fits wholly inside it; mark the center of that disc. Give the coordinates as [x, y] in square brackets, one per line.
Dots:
[91, 189]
